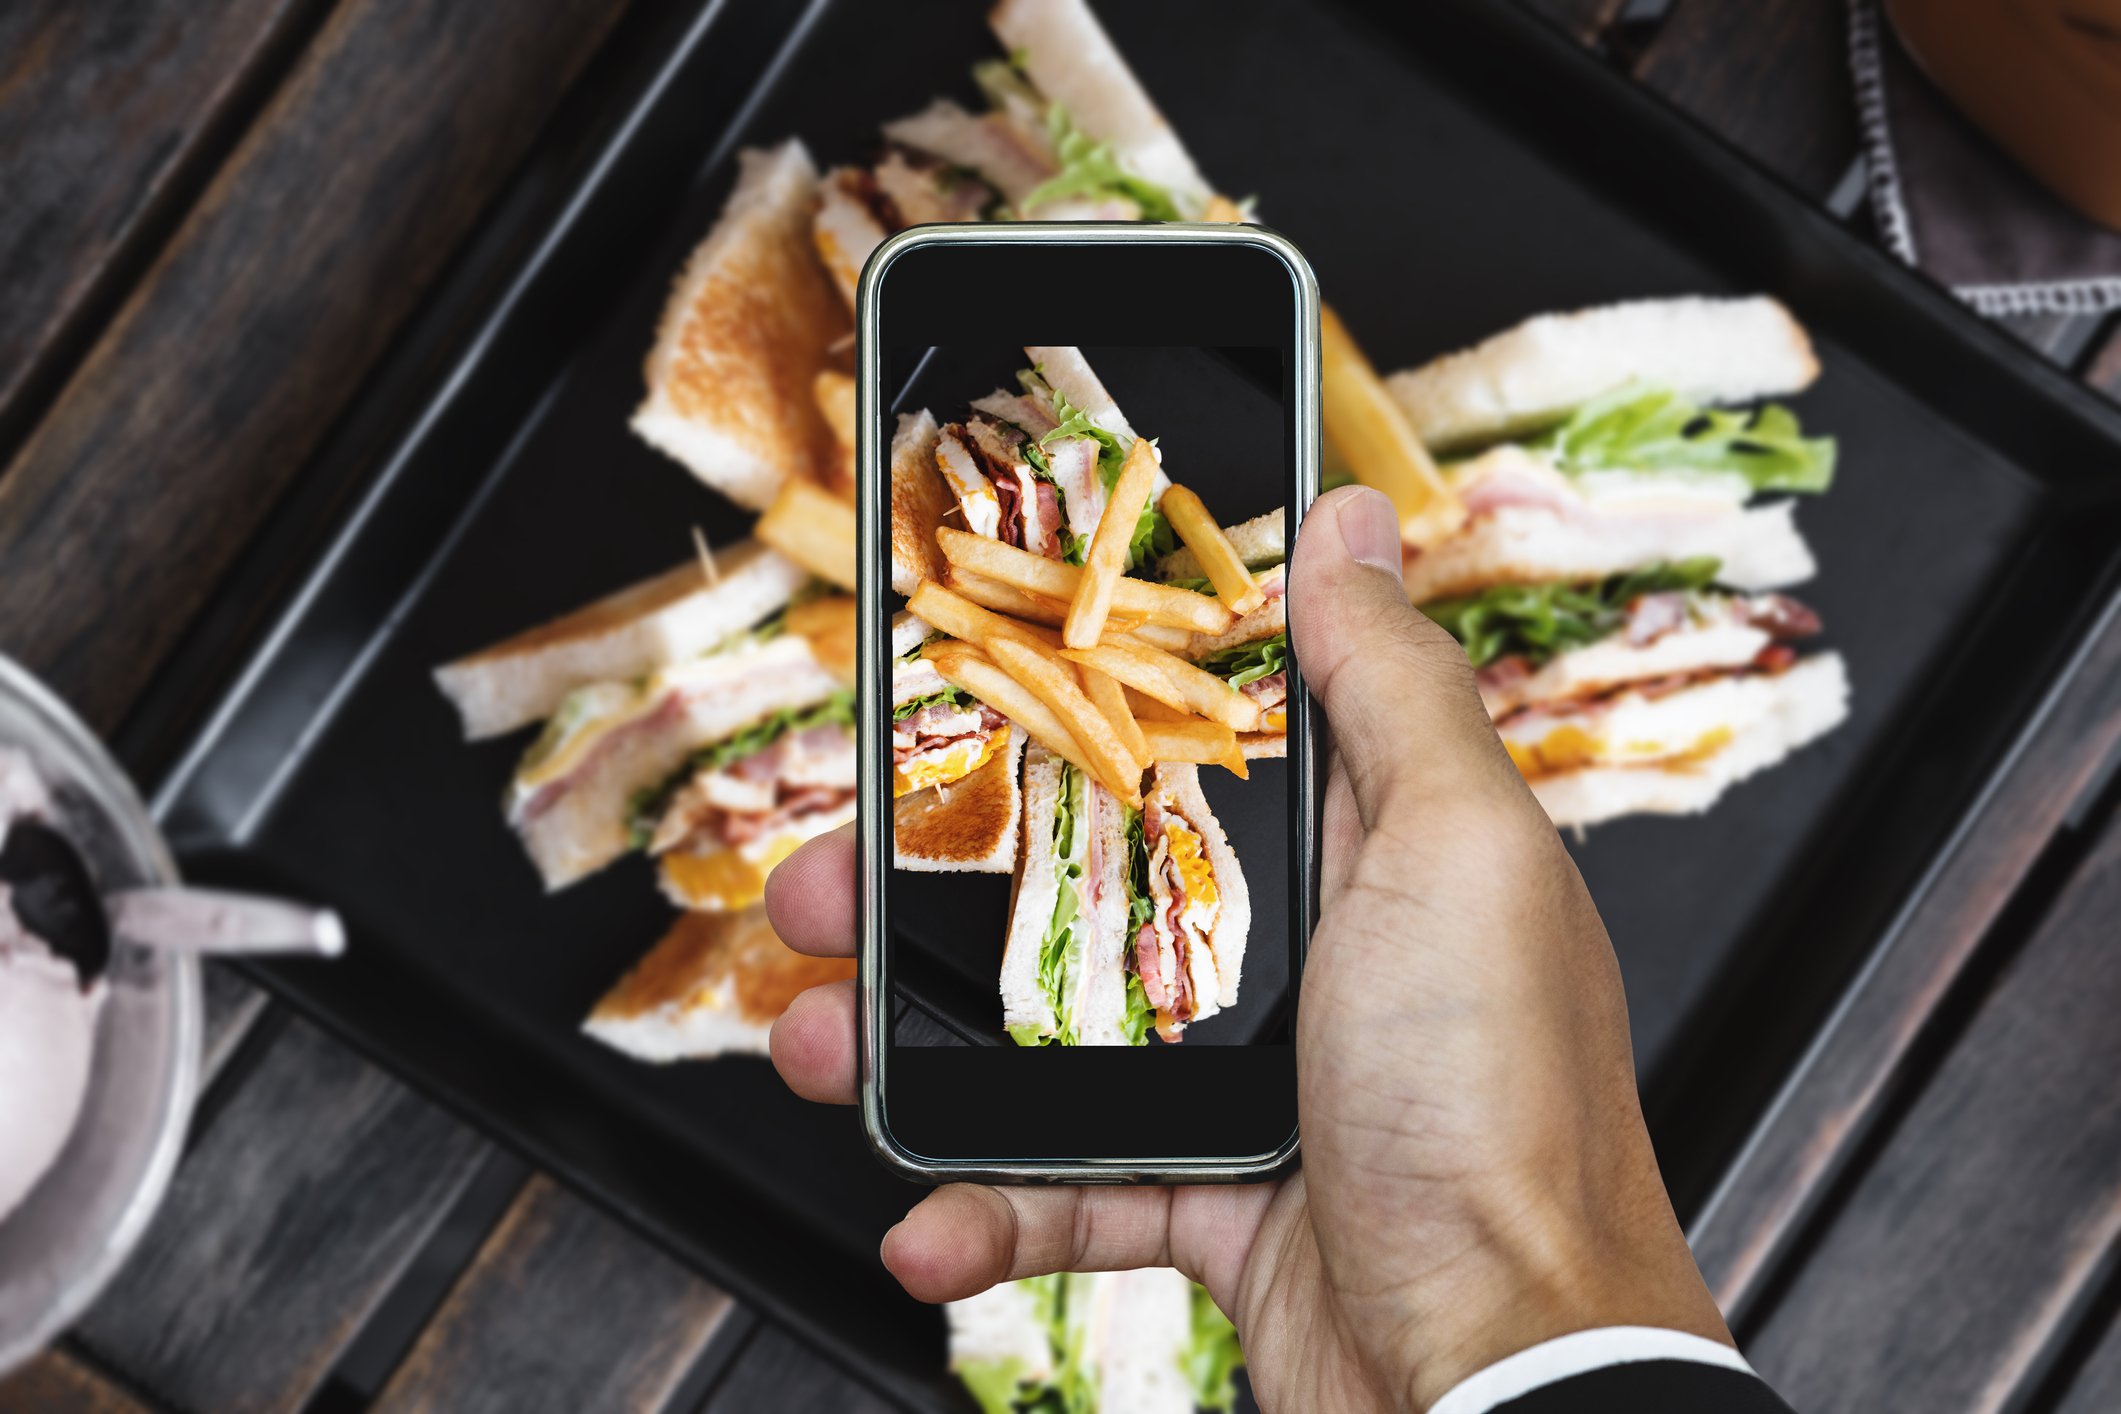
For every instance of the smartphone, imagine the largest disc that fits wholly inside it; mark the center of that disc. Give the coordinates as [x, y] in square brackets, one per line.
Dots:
[1087, 810]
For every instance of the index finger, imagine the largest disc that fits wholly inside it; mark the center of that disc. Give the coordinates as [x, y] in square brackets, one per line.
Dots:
[810, 897]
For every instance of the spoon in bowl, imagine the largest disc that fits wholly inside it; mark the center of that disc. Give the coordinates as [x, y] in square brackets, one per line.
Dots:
[46, 882]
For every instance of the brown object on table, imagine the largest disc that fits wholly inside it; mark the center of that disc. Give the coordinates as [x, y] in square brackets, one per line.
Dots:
[1950, 200]
[2041, 77]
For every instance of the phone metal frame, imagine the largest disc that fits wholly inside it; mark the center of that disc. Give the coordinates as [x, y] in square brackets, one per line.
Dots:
[873, 999]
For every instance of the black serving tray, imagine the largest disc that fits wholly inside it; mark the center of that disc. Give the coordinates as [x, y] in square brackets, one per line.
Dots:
[1449, 169]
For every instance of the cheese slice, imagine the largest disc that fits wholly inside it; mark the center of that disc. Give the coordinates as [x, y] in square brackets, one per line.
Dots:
[952, 765]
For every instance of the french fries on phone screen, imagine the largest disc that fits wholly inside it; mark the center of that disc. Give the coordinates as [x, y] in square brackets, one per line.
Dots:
[1035, 574]
[1038, 609]
[1054, 682]
[958, 617]
[1171, 681]
[1110, 698]
[1218, 559]
[1191, 739]
[1107, 560]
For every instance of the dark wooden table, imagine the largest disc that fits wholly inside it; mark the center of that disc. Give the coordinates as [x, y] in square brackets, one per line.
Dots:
[218, 217]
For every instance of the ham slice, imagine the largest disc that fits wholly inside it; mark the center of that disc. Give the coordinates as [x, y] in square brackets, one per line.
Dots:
[768, 792]
[1073, 462]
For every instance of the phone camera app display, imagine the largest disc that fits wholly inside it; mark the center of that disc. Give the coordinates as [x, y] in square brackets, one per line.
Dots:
[1089, 695]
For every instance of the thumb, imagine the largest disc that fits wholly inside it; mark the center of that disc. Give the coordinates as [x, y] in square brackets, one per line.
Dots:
[1397, 690]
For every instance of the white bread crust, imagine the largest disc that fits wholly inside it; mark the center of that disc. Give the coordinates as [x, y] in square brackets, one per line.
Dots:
[1707, 350]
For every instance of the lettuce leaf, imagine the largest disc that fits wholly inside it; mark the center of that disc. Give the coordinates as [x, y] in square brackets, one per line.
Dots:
[1088, 169]
[951, 696]
[1643, 428]
[1140, 905]
[1541, 621]
[1153, 536]
[645, 811]
[1060, 952]
[1139, 1013]
[1213, 1356]
[993, 1384]
[1249, 662]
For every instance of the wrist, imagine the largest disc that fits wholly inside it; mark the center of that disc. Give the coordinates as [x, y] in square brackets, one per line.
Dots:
[1545, 1274]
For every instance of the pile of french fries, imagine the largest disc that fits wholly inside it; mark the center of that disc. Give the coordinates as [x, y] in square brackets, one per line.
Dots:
[1083, 658]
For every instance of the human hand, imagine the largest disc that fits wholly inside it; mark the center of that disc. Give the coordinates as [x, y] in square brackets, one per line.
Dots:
[1476, 1174]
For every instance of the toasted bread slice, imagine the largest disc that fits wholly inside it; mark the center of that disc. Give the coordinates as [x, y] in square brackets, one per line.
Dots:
[713, 986]
[970, 826]
[1706, 350]
[919, 501]
[679, 614]
[749, 324]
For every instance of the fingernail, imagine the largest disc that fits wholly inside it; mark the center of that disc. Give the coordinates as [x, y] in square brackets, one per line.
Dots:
[1369, 527]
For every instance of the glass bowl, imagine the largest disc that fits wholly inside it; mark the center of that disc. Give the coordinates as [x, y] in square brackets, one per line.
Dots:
[61, 1246]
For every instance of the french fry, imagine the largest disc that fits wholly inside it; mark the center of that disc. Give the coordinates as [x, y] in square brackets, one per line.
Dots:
[1218, 558]
[1056, 685]
[963, 667]
[1171, 681]
[1170, 640]
[1107, 559]
[1209, 743]
[1382, 449]
[1221, 208]
[834, 392]
[1038, 609]
[1147, 709]
[961, 618]
[814, 528]
[1006, 598]
[1035, 574]
[828, 621]
[1110, 698]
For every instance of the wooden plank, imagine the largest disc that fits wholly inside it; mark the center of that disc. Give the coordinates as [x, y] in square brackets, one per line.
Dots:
[1830, 1103]
[57, 1383]
[105, 111]
[777, 1371]
[1773, 79]
[1958, 1263]
[1586, 19]
[301, 1202]
[562, 1309]
[250, 334]
[233, 1006]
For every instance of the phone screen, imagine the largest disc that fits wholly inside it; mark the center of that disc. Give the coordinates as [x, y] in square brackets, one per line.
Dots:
[1087, 779]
